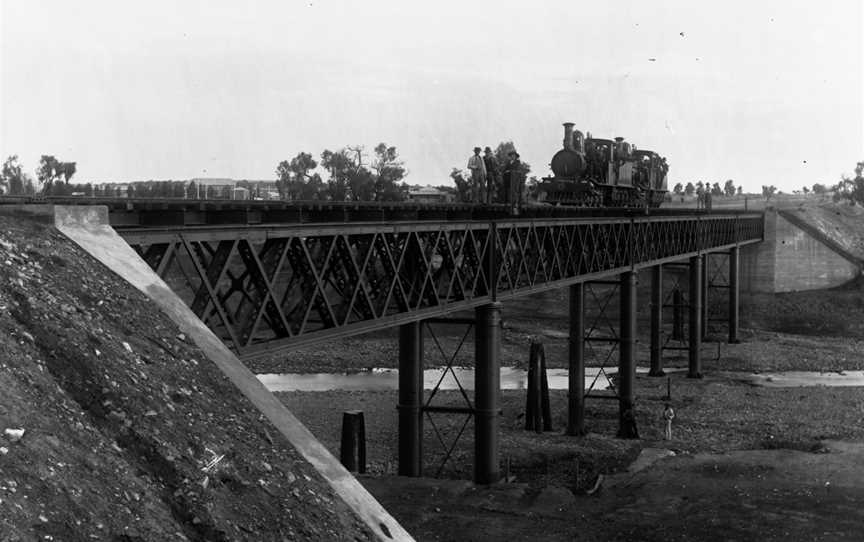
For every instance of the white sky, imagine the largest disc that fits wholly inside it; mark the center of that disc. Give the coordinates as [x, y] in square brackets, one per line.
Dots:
[759, 92]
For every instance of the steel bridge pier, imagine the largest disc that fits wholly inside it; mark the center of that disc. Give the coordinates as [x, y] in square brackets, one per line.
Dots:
[410, 399]
[576, 365]
[627, 359]
[694, 367]
[487, 379]
[656, 321]
[734, 294]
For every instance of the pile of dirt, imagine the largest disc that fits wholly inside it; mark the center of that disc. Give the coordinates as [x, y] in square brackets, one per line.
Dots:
[114, 426]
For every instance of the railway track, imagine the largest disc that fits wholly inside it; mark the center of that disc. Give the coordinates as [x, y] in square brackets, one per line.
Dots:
[148, 212]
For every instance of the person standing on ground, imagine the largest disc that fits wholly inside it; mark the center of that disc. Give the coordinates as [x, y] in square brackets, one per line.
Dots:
[478, 176]
[668, 416]
[492, 184]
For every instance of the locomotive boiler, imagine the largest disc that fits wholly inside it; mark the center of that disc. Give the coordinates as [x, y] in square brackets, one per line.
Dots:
[592, 172]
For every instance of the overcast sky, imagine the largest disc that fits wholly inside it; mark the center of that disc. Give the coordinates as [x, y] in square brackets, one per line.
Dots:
[759, 92]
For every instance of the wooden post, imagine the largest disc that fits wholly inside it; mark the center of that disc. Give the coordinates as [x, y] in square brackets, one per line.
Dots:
[532, 402]
[353, 450]
[538, 412]
[544, 392]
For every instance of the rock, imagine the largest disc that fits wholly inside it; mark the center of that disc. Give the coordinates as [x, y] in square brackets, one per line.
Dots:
[127, 346]
[28, 336]
[4, 450]
[14, 434]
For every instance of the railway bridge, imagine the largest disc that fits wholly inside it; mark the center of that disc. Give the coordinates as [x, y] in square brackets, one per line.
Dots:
[266, 277]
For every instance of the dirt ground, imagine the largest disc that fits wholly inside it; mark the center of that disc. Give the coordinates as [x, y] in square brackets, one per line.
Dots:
[750, 463]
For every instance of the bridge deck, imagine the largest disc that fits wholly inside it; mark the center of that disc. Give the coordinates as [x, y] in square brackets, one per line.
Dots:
[268, 287]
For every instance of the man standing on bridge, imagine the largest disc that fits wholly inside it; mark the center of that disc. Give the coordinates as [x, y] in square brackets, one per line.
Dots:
[478, 176]
[492, 182]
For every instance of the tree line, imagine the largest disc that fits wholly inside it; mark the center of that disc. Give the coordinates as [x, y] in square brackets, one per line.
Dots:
[728, 189]
[349, 178]
[768, 191]
[52, 175]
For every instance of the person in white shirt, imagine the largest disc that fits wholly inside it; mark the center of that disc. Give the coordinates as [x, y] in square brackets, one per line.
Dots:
[478, 176]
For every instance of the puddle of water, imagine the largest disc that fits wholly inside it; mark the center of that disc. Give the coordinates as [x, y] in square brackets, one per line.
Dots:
[797, 379]
[388, 379]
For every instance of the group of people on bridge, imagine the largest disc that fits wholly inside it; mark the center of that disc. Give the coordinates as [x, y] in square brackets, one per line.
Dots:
[490, 183]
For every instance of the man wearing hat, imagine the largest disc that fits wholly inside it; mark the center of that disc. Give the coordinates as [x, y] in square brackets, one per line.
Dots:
[512, 177]
[492, 178]
[478, 176]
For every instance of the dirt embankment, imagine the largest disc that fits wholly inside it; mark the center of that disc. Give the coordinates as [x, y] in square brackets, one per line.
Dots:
[128, 432]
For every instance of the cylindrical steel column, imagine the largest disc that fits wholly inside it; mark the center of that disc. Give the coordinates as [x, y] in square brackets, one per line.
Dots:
[576, 354]
[695, 361]
[627, 359]
[704, 293]
[487, 379]
[677, 318]
[734, 294]
[656, 321]
[410, 399]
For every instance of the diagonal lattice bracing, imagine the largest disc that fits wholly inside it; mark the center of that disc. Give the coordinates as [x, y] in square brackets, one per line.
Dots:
[268, 287]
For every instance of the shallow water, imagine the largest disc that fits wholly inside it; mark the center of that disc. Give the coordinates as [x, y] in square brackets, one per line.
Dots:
[798, 379]
[516, 379]
[388, 379]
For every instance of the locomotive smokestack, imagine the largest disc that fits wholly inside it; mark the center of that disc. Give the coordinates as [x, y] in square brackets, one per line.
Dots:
[568, 136]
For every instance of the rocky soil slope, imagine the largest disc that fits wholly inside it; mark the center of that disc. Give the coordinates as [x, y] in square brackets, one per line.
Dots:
[114, 426]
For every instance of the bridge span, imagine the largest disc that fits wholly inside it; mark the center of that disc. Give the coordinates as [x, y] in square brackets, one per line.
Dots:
[266, 287]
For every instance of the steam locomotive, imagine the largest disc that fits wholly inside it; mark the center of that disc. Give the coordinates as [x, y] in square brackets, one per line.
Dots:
[591, 172]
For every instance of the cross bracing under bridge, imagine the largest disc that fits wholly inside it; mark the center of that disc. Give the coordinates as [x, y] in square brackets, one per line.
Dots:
[268, 287]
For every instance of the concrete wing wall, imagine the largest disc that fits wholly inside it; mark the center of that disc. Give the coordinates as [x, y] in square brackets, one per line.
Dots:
[791, 259]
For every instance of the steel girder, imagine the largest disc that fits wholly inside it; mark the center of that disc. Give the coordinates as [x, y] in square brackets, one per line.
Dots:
[266, 288]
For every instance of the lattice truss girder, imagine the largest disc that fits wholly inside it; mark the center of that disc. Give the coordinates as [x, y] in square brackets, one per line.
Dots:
[266, 288]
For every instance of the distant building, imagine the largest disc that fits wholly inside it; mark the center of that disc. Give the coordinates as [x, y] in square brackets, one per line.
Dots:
[428, 194]
[238, 192]
[213, 188]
